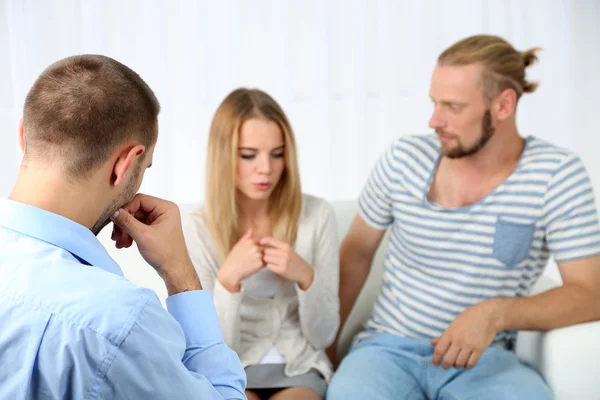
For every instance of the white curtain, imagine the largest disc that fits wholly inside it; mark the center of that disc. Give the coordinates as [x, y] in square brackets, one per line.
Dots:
[352, 75]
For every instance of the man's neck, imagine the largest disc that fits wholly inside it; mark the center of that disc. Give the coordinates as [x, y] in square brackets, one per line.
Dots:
[465, 181]
[46, 190]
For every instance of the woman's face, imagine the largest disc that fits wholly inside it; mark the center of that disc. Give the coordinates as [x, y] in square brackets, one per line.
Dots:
[260, 158]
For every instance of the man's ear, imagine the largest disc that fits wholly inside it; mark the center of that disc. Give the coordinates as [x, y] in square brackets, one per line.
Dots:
[126, 159]
[505, 104]
[21, 136]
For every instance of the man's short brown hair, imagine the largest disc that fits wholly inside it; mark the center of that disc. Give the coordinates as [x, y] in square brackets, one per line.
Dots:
[82, 107]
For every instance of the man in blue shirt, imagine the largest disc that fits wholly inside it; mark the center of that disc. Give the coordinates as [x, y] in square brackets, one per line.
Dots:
[72, 327]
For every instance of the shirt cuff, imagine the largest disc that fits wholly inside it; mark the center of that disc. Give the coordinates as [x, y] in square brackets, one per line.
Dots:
[195, 312]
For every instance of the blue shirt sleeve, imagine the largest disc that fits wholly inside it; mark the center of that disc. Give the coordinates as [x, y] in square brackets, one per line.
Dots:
[177, 356]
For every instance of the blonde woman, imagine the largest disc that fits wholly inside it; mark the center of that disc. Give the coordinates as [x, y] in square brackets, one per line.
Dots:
[267, 252]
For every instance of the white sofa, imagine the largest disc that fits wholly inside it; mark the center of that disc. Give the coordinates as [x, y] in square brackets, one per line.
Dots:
[568, 358]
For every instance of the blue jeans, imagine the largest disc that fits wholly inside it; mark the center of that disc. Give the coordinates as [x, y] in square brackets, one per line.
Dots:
[386, 366]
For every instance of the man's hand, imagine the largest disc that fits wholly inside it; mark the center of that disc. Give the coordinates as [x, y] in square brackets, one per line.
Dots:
[155, 226]
[469, 335]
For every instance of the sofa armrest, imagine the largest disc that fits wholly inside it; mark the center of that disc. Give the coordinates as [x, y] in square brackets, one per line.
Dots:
[570, 361]
[567, 358]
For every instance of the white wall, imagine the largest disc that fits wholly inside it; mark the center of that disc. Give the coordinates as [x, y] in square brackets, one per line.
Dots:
[349, 73]
[584, 124]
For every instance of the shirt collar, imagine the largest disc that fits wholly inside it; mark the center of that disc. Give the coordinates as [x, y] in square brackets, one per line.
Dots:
[57, 231]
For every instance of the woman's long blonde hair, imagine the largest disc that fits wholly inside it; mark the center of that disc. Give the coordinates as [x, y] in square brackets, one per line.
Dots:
[221, 207]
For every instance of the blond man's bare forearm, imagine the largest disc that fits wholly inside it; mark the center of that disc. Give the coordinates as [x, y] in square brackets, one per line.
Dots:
[356, 256]
[354, 270]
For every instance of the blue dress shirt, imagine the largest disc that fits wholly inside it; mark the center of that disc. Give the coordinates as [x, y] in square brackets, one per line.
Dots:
[72, 327]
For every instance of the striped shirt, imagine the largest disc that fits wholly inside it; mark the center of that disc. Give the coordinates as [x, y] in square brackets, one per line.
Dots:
[441, 261]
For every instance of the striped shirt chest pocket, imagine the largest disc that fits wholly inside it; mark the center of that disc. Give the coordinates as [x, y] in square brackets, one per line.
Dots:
[512, 241]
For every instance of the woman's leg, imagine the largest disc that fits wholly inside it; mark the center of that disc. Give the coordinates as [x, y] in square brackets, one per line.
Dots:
[296, 393]
[251, 395]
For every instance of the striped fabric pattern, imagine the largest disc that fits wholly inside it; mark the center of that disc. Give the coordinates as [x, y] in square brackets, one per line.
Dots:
[441, 261]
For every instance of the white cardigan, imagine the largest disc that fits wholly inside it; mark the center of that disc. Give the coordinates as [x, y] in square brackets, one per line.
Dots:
[300, 324]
